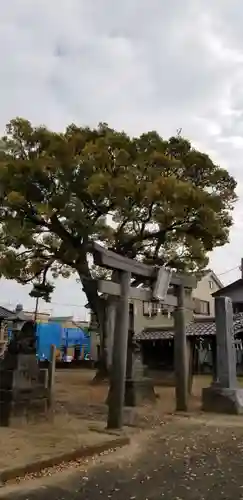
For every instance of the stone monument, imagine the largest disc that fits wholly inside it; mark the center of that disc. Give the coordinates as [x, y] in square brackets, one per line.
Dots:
[23, 386]
[224, 395]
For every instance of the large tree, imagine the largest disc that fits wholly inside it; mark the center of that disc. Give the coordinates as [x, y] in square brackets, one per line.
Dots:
[145, 197]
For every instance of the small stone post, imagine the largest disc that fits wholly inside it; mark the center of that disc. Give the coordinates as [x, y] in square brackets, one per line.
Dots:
[51, 376]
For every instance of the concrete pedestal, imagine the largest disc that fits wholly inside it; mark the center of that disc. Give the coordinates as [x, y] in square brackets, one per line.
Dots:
[24, 410]
[23, 390]
[139, 391]
[222, 400]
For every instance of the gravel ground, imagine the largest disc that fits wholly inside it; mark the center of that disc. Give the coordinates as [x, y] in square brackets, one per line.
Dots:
[183, 459]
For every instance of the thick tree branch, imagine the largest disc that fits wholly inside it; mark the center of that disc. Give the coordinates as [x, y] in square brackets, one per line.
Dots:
[29, 280]
[150, 235]
[101, 211]
[148, 218]
[28, 212]
[58, 228]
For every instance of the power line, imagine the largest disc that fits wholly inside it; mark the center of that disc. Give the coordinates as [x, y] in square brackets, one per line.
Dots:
[66, 305]
[229, 270]
[83, 306]
[50, 304]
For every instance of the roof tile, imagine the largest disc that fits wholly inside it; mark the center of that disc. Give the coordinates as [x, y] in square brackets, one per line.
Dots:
[197, 328]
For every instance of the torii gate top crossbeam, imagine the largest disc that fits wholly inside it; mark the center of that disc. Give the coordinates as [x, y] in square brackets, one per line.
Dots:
[111, 260]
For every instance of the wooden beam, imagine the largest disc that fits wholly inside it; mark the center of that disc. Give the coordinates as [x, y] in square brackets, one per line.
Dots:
[187, 280]
[112, 260]
[111, 288]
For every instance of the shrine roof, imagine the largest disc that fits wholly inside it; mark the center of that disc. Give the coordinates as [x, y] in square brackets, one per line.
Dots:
[5, 313]
[197, 328]
[238, 284]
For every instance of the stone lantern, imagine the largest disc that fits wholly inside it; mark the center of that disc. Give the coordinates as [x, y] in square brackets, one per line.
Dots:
[23, 332]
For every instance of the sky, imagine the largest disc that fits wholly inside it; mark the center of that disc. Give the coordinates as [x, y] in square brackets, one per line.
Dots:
[138, 65]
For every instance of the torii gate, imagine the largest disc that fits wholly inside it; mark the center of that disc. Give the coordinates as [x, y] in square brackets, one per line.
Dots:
[160, 280]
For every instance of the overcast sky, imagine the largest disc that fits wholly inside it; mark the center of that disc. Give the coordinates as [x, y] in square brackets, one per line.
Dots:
[138, 65]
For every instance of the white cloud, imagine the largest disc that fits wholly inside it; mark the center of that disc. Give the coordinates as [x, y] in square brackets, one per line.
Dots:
[138, 65]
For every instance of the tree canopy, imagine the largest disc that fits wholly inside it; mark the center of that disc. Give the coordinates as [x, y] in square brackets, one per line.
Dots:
[145, 197]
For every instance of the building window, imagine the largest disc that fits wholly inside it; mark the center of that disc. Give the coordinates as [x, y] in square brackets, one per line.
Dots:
[201, 307]
[166, 311]
[237, 307]
[155, 308]
[150, 308]
[146, 308]
[211, 285]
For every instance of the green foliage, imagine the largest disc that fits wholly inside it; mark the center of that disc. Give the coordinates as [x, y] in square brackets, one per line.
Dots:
[159, 200]
[42, 290]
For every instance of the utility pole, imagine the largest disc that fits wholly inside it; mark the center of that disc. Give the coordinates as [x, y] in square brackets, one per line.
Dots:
[36, 308]
[241, 268]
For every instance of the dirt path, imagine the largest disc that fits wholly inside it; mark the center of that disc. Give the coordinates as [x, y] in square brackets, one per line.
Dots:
[184, 459]
[78, 404]
[77, 396]
[41, 441]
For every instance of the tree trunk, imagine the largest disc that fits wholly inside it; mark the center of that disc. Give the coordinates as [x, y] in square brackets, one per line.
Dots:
[106, 339]
[97, 305]
[102, 372]
[104, 310]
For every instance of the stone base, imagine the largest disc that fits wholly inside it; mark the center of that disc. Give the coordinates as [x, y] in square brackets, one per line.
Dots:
[21, 410]
[221, 400]
[139, 391]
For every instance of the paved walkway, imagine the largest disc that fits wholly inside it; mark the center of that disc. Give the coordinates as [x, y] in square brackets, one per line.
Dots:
[182, 460]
